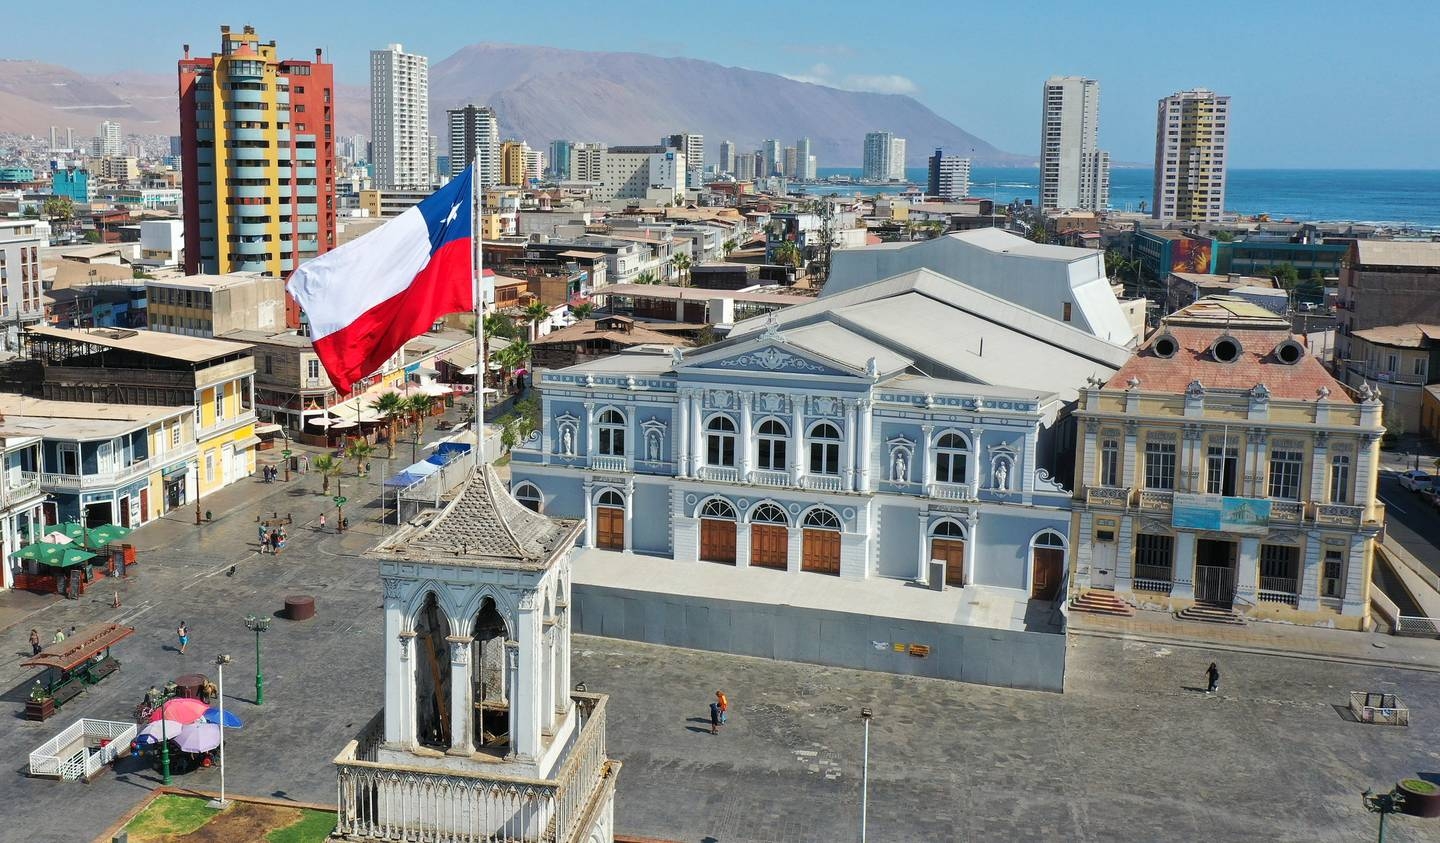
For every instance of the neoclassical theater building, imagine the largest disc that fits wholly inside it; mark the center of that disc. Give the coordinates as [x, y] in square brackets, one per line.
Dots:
[865, 434]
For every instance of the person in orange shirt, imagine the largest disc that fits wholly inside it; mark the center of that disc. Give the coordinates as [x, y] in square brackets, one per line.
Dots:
[724, 705]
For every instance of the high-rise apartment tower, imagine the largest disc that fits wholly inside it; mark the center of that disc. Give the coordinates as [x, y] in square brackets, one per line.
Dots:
[1191, 136]
[1074, 173]
[400, 119]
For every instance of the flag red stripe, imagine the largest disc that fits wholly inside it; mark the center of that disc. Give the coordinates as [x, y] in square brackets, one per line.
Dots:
[444, 286]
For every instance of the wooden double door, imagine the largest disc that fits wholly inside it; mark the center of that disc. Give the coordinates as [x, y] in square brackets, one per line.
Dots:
[717, 541]
[821, 552]
[770, 546]
[609, 528]
[1048, 566]
[952, 552]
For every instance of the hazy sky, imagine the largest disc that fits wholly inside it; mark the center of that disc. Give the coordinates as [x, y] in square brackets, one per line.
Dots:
[1324, 83]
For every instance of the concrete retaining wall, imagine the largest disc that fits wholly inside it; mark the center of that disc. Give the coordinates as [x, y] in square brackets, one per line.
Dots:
[1031, 660]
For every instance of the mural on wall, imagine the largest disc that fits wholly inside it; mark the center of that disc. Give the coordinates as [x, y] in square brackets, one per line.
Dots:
[1188, 254]
[1217, 514]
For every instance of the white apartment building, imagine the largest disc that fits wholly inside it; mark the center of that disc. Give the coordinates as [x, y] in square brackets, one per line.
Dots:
[119, 169]
[745, 166]
[109, 141]
[20, 304]
[162, 243]
[653, 173]
[770, 158]
[802, 159]
[949, 176]
[585, 161]
[534, 164]
[693, 146]
[1074, 173]
[475, 135]
[1191, 136]
[400, 118]
[884, 157]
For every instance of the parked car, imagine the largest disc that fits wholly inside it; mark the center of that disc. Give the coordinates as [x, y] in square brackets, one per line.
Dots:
[1431, 494]
[1416, 480]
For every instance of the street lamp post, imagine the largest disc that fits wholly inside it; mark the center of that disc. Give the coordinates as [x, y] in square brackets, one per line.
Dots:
[865, 715]
[1382, 804]
[257, 625]
[220, 662]
[164, 744]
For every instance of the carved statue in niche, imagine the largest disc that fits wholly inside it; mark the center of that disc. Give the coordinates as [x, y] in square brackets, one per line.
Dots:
[899, 468]
[1002, 475]
[567, 442]
[653, 451]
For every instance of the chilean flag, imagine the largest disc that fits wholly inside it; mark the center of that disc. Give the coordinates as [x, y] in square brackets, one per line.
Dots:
[369, 297]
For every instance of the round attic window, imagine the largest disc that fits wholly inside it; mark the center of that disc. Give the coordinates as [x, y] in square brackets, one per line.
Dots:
[1290, 352]
[1165, 346]
[1226, 349]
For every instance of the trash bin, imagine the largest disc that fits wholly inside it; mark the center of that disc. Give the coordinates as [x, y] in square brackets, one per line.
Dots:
[937, 575]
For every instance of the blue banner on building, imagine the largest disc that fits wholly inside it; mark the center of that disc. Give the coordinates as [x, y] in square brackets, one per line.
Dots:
[1221, 515]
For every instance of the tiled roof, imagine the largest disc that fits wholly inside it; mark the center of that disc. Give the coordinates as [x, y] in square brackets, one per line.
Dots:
[586, 331]
[1257, 365]
[484, 526]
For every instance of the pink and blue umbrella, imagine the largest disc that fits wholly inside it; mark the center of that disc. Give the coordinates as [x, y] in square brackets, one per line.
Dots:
[198, 737]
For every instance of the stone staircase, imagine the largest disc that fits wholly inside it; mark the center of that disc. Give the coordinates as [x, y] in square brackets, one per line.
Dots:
[1102, 603]
[1210, 614]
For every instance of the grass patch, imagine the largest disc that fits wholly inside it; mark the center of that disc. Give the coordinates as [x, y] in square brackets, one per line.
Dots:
[504, 460]
[313, 827]
[170, 815]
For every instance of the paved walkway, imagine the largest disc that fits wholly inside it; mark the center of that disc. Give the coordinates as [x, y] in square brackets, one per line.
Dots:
[1262, 637]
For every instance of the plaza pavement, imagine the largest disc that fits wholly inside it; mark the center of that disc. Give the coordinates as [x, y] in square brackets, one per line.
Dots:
[1130, 752]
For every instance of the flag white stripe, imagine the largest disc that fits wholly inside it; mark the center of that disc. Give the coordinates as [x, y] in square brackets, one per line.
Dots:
[338, 287]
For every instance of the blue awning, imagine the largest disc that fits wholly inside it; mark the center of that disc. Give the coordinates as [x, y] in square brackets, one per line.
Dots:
[403, 479]
[456, 448]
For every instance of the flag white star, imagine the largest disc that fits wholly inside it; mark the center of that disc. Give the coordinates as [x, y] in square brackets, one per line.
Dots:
[454, 212]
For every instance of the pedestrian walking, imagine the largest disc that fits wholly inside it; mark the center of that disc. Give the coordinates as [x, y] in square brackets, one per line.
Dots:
[724, 705]
[1212, 674]
[183, 633]
[59, 636]
[714, 718]
[322, 522]
[260, 536]
[35, 642]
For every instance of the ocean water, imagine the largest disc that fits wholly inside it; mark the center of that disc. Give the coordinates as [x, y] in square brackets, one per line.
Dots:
[1393, 197]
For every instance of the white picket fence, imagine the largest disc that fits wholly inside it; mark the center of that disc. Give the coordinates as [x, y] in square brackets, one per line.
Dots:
[69, 756]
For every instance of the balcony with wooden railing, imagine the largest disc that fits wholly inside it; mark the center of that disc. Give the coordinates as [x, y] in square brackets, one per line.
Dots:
[380, 801]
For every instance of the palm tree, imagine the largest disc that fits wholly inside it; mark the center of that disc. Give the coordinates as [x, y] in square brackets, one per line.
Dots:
[511, 357]
[535, 313]
[390, 405]
[582, 310]
[420, 406]
[328, 467]
[360, 451]
[729, 246]
[786, 252]
[646, 277]
[682, 266]
[499, 325]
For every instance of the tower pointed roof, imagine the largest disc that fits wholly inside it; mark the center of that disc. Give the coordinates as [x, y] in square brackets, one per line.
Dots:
[484, 526]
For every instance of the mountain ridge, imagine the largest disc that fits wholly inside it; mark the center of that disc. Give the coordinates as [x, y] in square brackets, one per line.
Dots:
[541, 93]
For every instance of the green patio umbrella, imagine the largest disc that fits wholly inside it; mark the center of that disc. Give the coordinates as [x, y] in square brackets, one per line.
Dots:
[55, 555]
[105, 534]
[69, 529]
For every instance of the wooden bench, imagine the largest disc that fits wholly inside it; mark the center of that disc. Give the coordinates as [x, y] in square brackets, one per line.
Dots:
[101, 669]
[67, 692]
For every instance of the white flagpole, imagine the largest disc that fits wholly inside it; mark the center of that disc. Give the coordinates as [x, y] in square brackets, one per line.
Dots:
[477, 204]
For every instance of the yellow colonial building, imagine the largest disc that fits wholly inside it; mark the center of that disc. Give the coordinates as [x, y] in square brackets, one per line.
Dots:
[1225, 474]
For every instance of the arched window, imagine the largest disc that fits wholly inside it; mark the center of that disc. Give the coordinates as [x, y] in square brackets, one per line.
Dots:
[1050, 538]
[822, 519]
[528, 494]
[610, 498]
[773, 440]
[720, 442]
[768, 513]
[612, 433]
[951, 453]
[824, 449]
[718, 509]
[948, 530]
